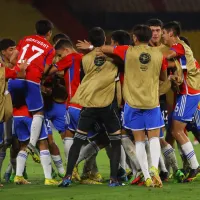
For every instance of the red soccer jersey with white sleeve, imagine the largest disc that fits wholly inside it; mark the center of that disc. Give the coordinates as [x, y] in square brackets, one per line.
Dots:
[38, 52]
[71, 64]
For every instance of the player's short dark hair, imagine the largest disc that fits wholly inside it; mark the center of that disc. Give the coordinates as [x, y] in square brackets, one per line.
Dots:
[154, 22]
[42, 27]
[185, 40]
[173, 26]
[60, 36]
[6, 43]
[142, 32]
[63, 43]
[122, 37]
[96, 36]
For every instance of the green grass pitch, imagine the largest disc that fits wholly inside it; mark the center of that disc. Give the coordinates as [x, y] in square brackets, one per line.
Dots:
[37, 191]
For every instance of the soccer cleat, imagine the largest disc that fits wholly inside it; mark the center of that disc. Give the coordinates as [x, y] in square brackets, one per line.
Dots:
[75, 175]
[90, 182]
[20, 180]
[122, 175]
[149, 183]
[7, 177]
[164, 176]
[138, 178]
[12, 177]
[96, 177]
[114, 183]
[30, 149]
[65, 182]
[50, 182]
[155, 177]
[179, 176]
[194, 173]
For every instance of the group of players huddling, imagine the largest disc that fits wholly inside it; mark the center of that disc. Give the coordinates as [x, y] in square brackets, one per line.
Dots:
[113, 96]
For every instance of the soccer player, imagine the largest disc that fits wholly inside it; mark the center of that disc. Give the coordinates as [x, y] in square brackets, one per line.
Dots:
[164, 87]
[97, 96]
[39, 54]
[189, 94]
[142, 111]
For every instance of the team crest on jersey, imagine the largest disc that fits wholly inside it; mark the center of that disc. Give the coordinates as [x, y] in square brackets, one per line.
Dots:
[99, 61]
[145, 58]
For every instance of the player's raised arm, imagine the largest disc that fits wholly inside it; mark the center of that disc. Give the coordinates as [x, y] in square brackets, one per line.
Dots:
[163, 72]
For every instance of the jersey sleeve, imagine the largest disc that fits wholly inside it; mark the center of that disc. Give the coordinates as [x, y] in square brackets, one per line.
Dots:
[179, 49]
[50, 56]
[64, 63]
[164, 64]
[121, 51]
[11, 73]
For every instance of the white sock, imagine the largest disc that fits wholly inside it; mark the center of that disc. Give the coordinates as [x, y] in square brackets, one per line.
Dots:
[147, 147]
[58, 163]
[142, 158]
[2, 157]
[170, 157]
[21, 162]
[190, 154]
[155, 149]
[46, 163]
[36, 128]
[123, 158]
[68, 141]
[162, 164]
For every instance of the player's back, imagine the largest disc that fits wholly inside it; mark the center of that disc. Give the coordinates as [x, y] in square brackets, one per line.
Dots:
[141, 81]
[37, 51]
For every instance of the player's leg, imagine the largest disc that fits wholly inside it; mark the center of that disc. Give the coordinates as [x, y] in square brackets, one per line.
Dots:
[2, 150]
[109, 116]
[21, 132]
[45, 157]
[184, 111]
[86, 121]
[34, 101]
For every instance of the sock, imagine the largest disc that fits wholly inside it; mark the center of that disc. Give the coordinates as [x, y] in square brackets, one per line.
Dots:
[115, 141]
[190, 154]
[123, 158]
[79, 140]
[147, 147]
[170, 157]
[131, 165]
[14, 163]
[95, 169]
[89, 162]
[162, 164]
[58, 163]
[45, 158]
[21, 162]
[129, 148]
[68, 141]
[36, 127]
[87, 151]
[9, 168]
[2, 157]
[142, 158]
[155, 149]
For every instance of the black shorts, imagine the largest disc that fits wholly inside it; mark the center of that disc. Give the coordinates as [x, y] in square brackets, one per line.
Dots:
[108, 116]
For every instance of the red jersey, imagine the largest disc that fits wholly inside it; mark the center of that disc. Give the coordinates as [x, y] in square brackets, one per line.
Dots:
[21, 112]
[38, 52]
[71, 64]
[184, 87]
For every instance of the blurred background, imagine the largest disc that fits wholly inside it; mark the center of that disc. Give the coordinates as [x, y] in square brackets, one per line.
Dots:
[76, 17]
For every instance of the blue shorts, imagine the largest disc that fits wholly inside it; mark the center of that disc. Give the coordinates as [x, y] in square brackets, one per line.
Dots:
[73, 114]
[48, 125]
[142, 119]
[161, 133]
[186, 106]
[197, 118]
[57, 115]
[1, 132]
[22, 128]
[31, 90]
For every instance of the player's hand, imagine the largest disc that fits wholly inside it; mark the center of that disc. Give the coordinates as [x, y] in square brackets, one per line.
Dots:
[23, 65]
[83, 45]
[176, 79]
